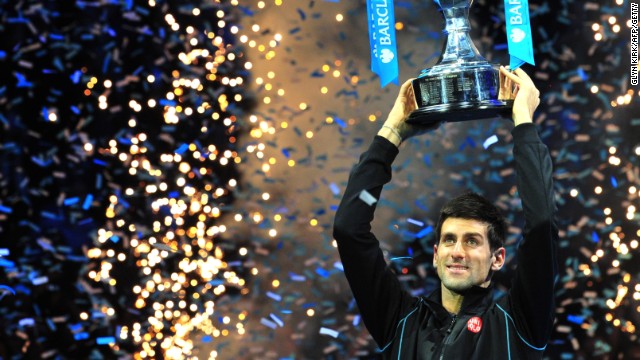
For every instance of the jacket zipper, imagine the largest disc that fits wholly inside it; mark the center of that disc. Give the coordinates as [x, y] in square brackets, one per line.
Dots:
[446, 338]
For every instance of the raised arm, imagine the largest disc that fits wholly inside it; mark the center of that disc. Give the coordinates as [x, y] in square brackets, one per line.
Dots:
[378, 293]
[532, 291]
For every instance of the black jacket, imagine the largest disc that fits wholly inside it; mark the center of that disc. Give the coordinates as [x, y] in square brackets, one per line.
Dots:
[517, 326]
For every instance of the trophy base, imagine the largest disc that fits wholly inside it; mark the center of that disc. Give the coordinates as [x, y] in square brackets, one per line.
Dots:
[485, 110]
[459, 92]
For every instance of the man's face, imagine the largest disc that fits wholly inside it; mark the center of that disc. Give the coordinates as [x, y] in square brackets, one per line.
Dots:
[463, 256]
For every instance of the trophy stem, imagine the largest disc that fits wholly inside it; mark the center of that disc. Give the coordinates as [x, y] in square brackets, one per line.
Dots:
[459, 46]
[456, 19]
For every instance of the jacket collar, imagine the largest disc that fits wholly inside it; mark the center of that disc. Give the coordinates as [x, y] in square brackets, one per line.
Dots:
[475, 301]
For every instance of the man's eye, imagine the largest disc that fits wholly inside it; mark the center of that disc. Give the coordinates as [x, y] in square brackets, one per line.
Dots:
[448, 240]
[472, 242]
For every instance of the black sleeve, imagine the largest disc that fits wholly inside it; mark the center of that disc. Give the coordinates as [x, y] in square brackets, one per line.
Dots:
[532, 290]
[377, 291]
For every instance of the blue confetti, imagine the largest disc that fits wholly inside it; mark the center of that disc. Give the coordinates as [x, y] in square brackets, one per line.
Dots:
[322, 272]
[16, 20]
[181, 149]
[352, 93]
[268, 323]
[575, 319]
[87, 202]
[330, 332]
[467, 142]
[106, 340]
[246, 10]
[338, 265]
[340, 122]
[165, 102]
[71, 201]
[85, 221]
[427, 160]
[81, 336]
[303, 16]
[6, 288]
[490, 141]
[401, 258]
[75, 77]
[48, 215]
[276, 319]
[296, 277]
[499, 47]
[22, 80]
[583, 75]
[424, 232]
[274, 296]
[308, 305]
[367, 197]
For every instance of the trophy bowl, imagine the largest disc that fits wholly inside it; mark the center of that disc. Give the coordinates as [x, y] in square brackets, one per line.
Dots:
[463, 85]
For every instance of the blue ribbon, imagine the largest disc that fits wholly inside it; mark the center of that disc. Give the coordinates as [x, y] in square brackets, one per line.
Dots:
[519, 37]
[8, 289]
[382, 40]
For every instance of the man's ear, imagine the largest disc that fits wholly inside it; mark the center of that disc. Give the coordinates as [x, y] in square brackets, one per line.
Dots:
[498, 259]
[435, 255]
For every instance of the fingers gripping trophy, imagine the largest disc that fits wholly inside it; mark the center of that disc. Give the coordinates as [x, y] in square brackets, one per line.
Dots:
[463, 85]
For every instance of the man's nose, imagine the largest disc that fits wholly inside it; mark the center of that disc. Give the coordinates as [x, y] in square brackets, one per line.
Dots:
[458, 250]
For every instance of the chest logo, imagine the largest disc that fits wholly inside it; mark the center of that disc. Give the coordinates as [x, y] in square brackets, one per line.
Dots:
[474, 324]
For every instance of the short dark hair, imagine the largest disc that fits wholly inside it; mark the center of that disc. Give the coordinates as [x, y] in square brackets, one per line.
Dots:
[472, 206]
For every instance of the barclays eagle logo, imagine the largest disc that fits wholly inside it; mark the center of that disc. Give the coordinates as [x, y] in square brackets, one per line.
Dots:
[386, 56]
[517, 35]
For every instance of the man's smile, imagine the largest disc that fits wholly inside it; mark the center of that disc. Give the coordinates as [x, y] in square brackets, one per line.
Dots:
[457, 268]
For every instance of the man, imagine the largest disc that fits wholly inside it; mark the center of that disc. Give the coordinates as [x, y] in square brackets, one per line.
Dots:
[460, 320]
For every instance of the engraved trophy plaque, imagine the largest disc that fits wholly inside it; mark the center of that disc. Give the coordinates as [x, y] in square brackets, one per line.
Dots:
[463, 85]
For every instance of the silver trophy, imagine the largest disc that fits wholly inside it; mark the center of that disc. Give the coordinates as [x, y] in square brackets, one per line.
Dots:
[463, 85]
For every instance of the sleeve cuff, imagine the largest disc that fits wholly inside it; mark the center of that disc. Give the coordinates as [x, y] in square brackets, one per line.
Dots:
[383, 149]
[525, 133]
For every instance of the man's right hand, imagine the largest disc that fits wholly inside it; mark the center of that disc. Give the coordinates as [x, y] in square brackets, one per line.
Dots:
[397, 119]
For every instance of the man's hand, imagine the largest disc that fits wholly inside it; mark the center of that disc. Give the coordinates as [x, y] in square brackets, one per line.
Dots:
[519, 87]
[395, 128]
